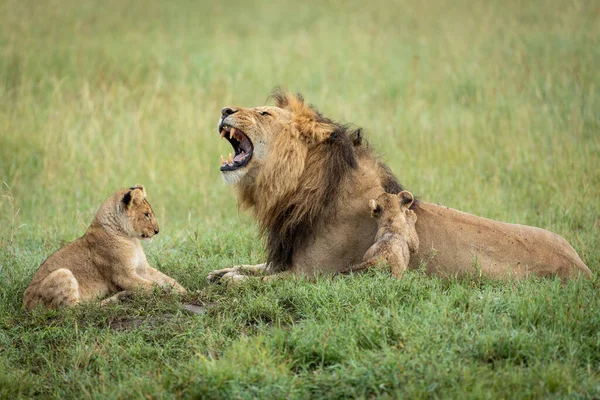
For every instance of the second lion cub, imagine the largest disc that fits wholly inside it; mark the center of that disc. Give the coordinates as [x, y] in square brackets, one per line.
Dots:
[396, 237]
[107, 260]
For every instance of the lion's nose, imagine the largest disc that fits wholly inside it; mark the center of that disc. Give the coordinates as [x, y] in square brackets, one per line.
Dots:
[156, 231]
[227, 111]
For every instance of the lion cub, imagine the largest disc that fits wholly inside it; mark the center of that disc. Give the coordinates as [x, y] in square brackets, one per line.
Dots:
[107, 259]
[396, 237]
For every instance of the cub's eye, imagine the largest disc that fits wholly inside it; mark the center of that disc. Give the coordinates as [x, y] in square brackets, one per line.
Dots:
[264, 113]
[147, 215]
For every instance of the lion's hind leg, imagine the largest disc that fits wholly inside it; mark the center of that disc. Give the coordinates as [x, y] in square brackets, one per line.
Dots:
[58, 289]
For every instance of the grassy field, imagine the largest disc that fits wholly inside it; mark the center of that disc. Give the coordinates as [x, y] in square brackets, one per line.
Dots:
[489, 107]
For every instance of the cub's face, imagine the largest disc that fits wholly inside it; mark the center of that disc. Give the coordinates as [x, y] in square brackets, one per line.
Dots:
[139, 220]
[251, 132]
[393, 211]
[394, 215]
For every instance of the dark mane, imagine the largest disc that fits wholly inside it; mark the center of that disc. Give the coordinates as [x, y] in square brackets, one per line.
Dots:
[298, 215]
[389, 182]
[333, 151]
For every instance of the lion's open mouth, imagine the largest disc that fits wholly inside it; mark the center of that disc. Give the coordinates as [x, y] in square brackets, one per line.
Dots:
[242, 147]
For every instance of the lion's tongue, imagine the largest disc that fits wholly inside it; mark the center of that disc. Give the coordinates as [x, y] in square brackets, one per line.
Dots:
[231, 160]
[240, 157]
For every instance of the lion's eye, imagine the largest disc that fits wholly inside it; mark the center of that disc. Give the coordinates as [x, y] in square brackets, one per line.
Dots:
[147, 215]
[264, 113]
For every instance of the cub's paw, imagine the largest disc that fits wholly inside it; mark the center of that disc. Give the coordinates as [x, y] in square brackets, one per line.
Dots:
[117, 298]
[176, 288]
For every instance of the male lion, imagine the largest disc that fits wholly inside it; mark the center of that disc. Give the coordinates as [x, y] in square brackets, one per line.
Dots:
[107, 259]
[309, 179]
[396, 237]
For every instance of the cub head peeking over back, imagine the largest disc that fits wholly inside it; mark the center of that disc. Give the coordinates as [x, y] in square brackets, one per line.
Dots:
[396, 237]
[393, 214]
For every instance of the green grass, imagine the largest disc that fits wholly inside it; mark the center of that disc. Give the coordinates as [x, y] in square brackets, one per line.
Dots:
[489, 107]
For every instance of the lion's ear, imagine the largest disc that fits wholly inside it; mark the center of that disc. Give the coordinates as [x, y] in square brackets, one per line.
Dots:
[375, 208]
[306, 122]
[356, 137]
[406, 198]
[306, 127]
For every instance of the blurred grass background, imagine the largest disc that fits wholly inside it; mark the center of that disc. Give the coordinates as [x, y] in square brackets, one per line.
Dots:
[489, 107]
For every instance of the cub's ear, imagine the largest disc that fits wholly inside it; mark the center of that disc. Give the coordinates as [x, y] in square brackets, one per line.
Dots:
[140, 187]
[406, 198]
[375, 208]
[127, 199]
[135, 195]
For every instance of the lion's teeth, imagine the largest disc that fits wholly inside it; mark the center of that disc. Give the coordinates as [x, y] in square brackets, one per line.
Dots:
[232, 133]
[230, 159]
[222, 160]
[223, 132]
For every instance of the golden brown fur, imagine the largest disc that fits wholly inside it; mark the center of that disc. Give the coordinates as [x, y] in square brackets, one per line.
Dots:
[293, 174]
[396, 237]
[107, 259]
[309, 182]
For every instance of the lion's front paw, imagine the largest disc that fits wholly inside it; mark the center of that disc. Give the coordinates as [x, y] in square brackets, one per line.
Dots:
[216, 275]
[234, 277]
[108, 301]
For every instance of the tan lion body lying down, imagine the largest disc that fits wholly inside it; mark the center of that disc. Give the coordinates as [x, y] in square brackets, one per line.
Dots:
[468, 243]
[309, 181]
